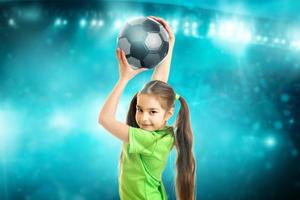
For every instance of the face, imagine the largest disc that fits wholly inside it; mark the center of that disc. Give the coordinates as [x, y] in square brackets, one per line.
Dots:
[149, 113]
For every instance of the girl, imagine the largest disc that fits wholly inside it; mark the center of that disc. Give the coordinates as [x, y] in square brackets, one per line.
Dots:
[147, 139]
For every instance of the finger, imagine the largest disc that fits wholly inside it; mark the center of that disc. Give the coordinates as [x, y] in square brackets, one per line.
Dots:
[158, 20]
[118, 53]
[124, 60]
[120, 57]
[169, 30]
[142, 69]
[164, 23]
[161, 20]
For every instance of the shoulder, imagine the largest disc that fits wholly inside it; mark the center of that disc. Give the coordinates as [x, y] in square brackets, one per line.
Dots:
[168, 130]
[167, 135]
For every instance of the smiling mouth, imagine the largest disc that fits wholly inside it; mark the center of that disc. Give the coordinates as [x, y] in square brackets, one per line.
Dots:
[145, 125]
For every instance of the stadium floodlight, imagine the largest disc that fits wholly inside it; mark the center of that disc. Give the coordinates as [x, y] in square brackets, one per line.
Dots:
[186, 24]
[93, 22]
[265, 39]
[227, 29]
[244, 36]
[194, 25]
[276, 40]
[65, 22]
[212, 29]
[174, 23]
[231, 30]
[194, 33]
[57, 22]
[60, 121]
[100, 22]
[258, 38]
[270, 141]
[186, 31]
[82, 23]
[11, 22]
[296, 44]
[118, 24]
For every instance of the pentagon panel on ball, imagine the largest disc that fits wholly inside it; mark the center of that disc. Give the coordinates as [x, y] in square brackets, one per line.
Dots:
[144, 41]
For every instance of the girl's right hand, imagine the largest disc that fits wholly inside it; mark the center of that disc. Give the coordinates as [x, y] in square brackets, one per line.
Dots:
[168, 28]
[125, 70]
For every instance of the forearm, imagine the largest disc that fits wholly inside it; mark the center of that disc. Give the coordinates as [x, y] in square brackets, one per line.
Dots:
[109, 108]
[162, 71]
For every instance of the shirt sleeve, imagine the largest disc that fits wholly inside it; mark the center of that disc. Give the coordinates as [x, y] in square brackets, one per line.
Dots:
[142, 141]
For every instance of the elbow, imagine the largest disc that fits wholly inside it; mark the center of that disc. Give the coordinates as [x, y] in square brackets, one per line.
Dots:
[105, 117]
[101, 119]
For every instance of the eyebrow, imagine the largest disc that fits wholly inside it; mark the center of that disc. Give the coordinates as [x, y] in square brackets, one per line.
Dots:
[148, 108]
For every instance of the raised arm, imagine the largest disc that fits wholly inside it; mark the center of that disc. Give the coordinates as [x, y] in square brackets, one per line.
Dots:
[107, 115]
[162, 71]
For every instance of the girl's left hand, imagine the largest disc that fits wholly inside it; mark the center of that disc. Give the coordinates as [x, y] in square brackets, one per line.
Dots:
[125, 71]
[169, 30]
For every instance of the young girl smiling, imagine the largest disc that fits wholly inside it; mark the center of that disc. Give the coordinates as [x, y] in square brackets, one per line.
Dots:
[147, 139]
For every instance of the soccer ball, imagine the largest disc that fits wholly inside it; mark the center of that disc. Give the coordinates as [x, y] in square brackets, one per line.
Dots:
[144, 41]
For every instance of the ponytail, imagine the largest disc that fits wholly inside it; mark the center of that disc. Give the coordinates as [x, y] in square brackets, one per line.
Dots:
[185, 163]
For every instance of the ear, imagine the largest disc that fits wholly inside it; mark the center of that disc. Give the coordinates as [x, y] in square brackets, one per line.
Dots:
[169, 114]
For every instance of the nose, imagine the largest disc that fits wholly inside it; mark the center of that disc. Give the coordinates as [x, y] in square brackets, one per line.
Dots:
[144, 118]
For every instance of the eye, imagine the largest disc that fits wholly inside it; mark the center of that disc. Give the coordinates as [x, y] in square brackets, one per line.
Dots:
[153, 112]
[139, 110]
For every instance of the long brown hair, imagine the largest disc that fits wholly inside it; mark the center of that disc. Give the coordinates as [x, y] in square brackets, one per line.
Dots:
[185, 162]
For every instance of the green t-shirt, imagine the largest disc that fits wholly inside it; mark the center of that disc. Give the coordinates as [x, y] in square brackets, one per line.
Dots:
[142, 163]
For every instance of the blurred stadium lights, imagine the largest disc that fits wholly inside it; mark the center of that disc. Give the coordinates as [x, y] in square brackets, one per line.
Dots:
[100, 22]
[190, 28]
[186, 28]
[270, 141]
[295, 44]
[225, 30]
[11, 22]
[82, 23]
[235, 29]
[194, 29]
[61, 122]
[9, 129]
[60, 22]
[94, 22]
[212, 29]
[174, 25]
[57, 22]
[265, 39]
[230, 30]
[65, 22]
[117, 24]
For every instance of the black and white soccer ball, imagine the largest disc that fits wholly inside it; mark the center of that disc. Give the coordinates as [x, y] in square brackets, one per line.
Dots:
[144, 41]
